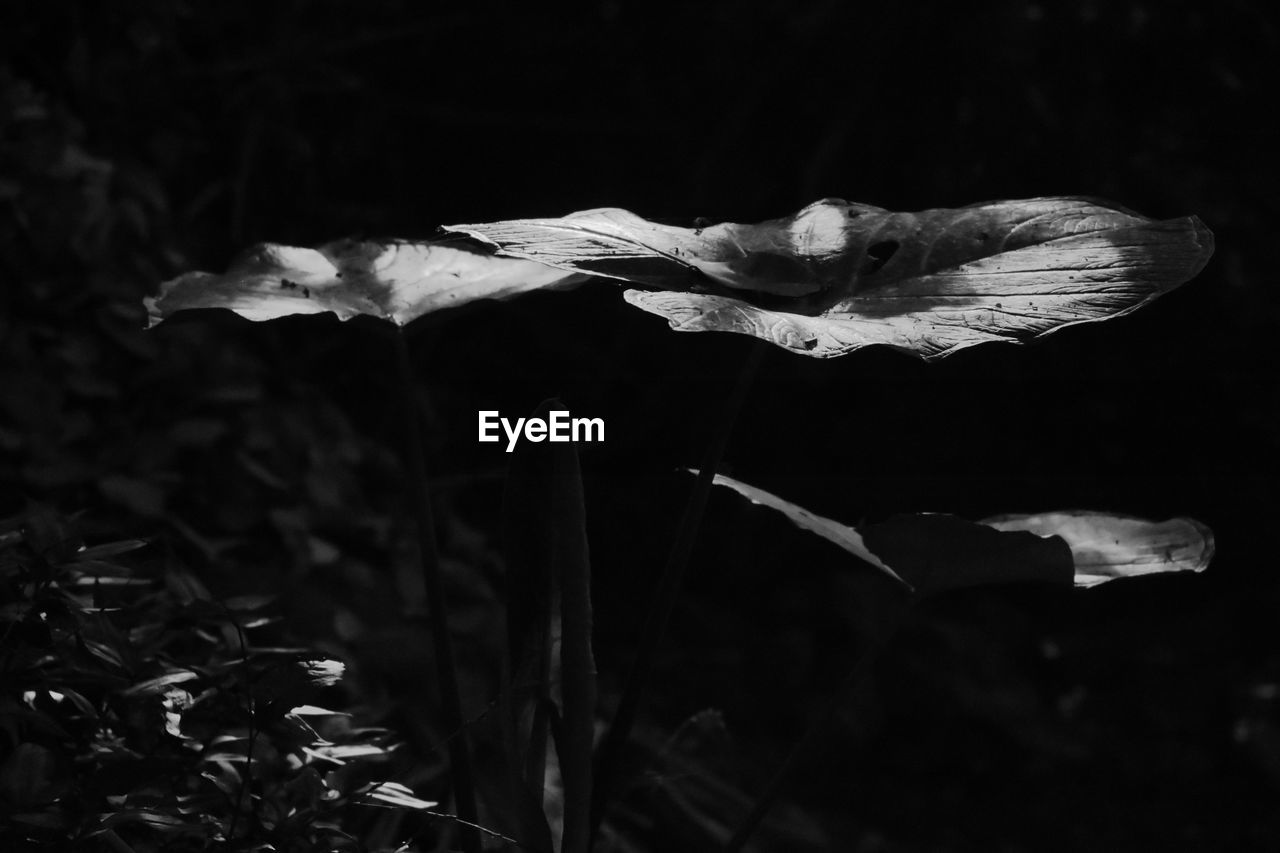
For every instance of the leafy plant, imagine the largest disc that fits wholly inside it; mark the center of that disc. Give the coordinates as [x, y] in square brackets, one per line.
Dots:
[833, 278]
[140, 713]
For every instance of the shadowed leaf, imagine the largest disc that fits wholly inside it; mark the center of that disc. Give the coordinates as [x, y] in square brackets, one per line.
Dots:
[696, 781]
[933, 552]
[32, 774]
[838, 276]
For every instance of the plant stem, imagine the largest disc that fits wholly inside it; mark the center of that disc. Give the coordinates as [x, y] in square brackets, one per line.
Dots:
[659, 614]
[812, 737]
[577, 662]
[437, 611]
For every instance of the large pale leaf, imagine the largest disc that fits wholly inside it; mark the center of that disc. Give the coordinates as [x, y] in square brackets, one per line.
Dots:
[1106, 546]
[396, 281]
[931, 552]
[839, 276]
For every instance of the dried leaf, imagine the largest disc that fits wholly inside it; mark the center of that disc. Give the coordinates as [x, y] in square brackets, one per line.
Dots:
[1106, 546]
[396, 281]
[838, 276]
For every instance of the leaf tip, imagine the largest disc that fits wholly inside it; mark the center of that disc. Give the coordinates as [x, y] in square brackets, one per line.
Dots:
[154, 315]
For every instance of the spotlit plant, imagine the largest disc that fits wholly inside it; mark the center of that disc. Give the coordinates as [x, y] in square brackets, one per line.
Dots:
[830, 279]
[826, 281]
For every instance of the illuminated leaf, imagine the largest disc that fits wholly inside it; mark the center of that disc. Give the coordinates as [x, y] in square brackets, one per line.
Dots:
[838, 276]
[1106, 546]
[833, 531]
[394, 794]
[396, 281]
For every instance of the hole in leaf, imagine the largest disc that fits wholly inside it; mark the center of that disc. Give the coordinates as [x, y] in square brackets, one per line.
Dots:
[879, 254]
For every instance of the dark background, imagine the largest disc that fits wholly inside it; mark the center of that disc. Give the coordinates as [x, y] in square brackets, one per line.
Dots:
[142, 139]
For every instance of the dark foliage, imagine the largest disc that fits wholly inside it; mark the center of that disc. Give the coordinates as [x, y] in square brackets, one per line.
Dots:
[139, 713]
[145, 138]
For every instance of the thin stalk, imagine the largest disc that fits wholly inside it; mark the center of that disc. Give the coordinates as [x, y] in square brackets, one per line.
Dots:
[446, 668]
[477, 827]
[673, 574]
[804, 748]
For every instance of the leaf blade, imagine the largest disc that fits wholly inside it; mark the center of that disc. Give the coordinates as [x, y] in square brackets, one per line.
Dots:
[1106, 546]
[934, 552]
[842, 535]
[1010, 297]
[397, 281]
